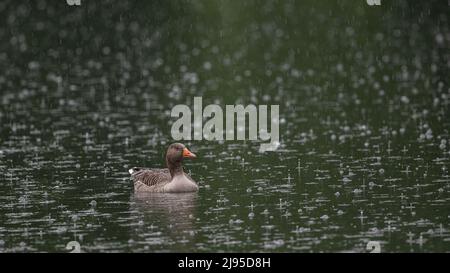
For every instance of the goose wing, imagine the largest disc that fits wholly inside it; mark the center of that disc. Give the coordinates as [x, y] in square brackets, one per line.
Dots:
[150, 177]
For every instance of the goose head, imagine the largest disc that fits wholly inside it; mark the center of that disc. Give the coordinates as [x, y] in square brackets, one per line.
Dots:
[175, 154]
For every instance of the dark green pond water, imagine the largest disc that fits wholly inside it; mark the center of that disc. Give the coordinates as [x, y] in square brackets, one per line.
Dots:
[86, 93]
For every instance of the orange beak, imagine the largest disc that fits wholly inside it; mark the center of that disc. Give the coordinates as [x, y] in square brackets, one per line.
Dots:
[188, 154]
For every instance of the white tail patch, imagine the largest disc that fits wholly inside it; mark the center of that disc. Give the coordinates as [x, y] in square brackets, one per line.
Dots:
[134, 170]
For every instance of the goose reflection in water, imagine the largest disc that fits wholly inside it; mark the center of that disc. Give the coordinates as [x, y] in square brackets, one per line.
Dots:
[173, 214]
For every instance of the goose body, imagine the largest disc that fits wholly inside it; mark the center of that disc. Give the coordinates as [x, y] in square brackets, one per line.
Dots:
[172, 179]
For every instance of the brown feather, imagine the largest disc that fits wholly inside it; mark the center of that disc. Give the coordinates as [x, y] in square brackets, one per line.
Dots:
[152, 177]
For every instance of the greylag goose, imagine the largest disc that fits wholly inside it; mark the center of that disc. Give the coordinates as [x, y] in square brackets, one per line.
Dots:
[172, 179]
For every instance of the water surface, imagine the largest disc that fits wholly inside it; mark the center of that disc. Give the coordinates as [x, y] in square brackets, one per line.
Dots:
[86, 93]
